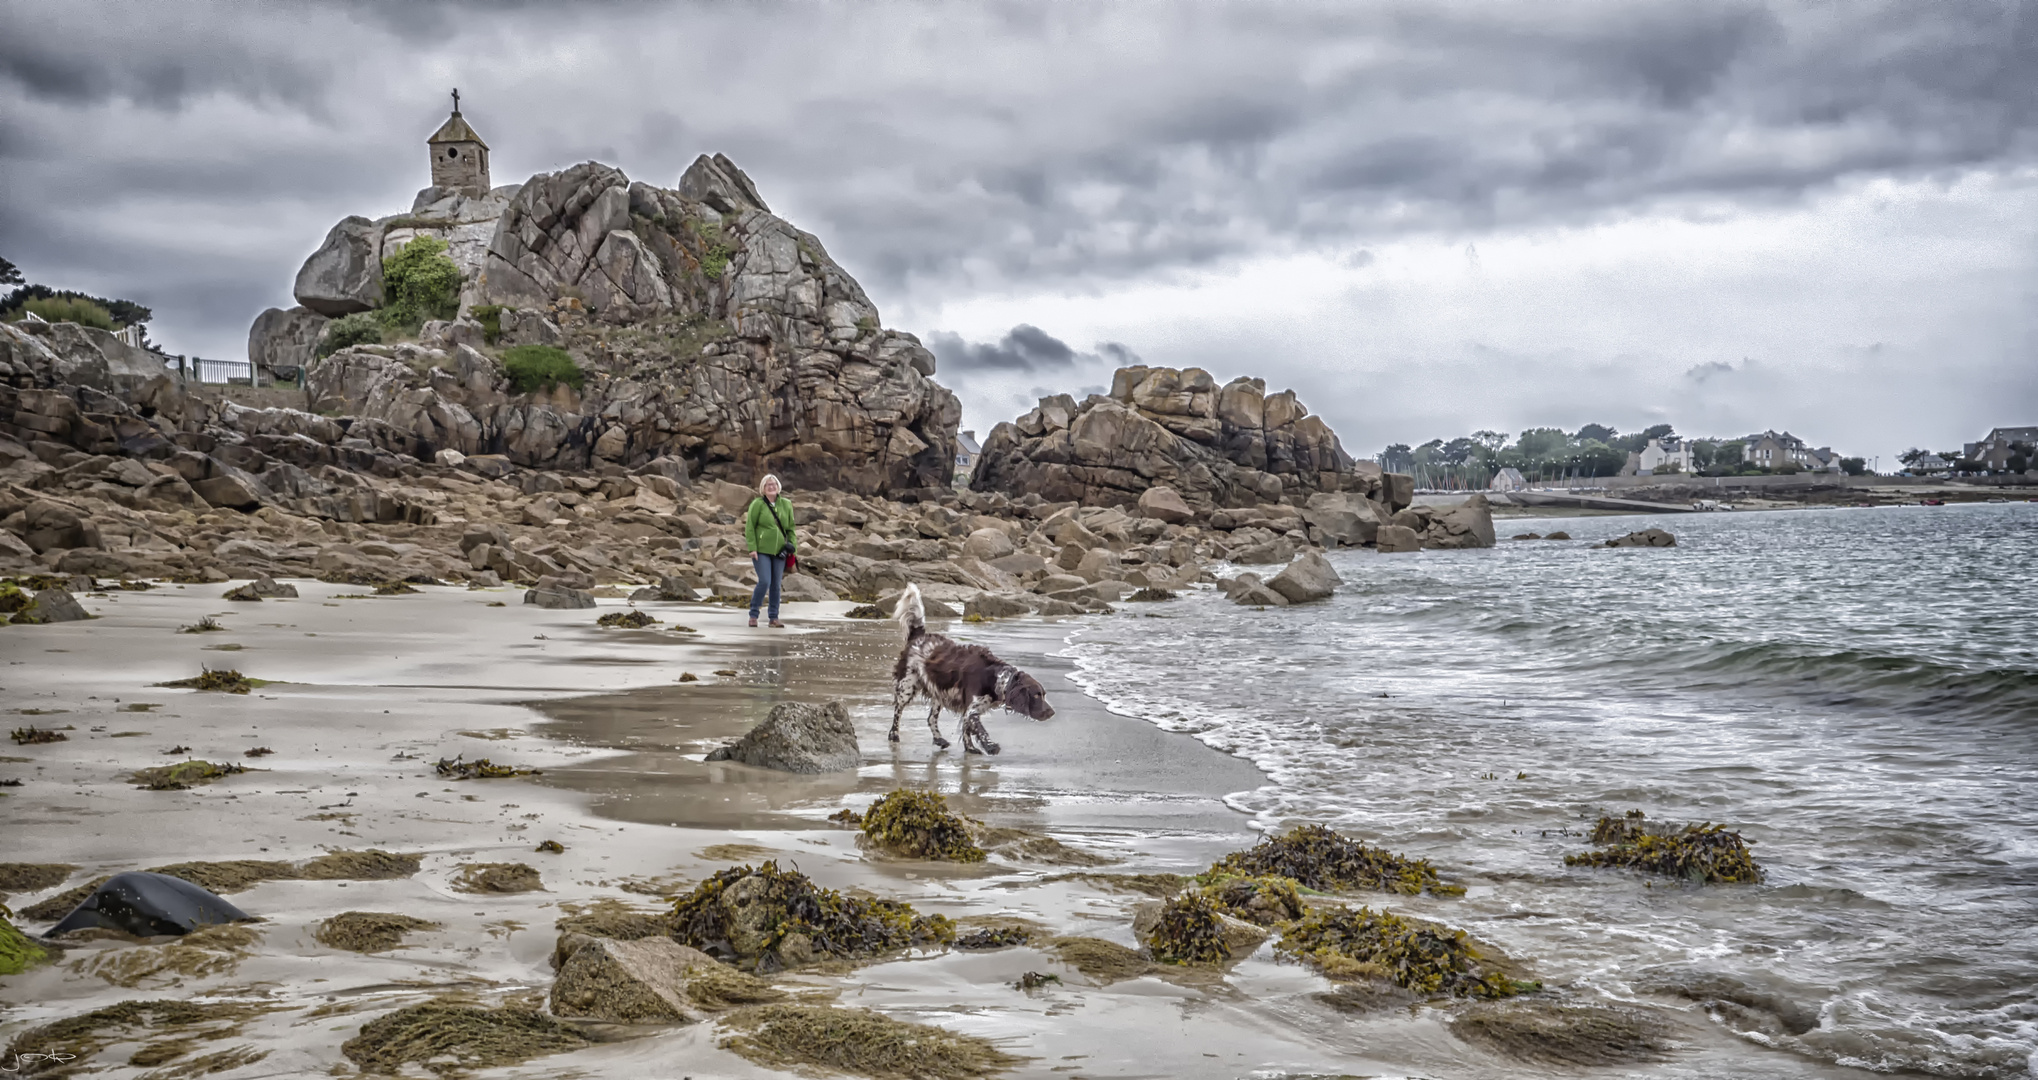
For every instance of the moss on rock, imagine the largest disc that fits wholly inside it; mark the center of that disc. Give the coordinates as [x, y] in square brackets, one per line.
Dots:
[17, 952]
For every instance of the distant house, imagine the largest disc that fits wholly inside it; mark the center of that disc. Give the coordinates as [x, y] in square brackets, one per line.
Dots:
[967, 450]
[1508, 479]
[1661, 455]
[2000, 445]
[1930, 464]
[1770, 450]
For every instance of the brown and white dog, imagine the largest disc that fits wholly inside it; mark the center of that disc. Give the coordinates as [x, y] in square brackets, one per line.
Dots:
[964, 679]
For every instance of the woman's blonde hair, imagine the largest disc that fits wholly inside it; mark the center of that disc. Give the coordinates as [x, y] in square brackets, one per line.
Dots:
[769, 478]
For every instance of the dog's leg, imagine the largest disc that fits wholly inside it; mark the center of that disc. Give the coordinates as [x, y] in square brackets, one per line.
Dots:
[973, 728]
[934, 722]
[902, 695]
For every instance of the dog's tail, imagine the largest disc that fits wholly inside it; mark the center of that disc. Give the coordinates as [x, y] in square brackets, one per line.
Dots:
[912, 614]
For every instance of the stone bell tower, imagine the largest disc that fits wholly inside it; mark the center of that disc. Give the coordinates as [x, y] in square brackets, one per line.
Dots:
[459, 157]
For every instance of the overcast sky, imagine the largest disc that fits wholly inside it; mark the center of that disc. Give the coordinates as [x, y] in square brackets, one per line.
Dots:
[1426, 218]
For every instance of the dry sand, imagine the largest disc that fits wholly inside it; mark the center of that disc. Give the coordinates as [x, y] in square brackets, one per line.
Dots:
[369, 692]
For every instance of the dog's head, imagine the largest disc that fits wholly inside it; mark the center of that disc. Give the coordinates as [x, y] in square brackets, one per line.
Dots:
[1026, 695]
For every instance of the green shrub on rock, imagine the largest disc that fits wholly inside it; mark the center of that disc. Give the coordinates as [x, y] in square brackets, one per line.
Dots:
[347, 331]
[919, 825]
[537, 367]
[419, 283]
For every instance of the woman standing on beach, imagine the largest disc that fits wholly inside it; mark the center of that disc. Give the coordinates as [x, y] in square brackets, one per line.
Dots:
[768, 532]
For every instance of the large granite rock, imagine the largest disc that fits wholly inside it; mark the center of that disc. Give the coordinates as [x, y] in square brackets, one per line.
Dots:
[798, 738]
[345, 274]
[646, 980]
[748, 350]
[283, 340]
[67, 354]
[1307, 578]
[1229, 446]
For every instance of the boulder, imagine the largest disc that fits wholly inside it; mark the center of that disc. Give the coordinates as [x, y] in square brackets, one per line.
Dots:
[47, 525]
[1655, 538]
[989, 545]
[269, 588]
[1248, 590]
[805, 589]
[1342, 518]
[1271, 553]
[552, 593]
[1307, 578]
[630, 982]
[1467, 525]
[991, 605]
[345, 274]
[282, 340]
[798, 738]
[52, 606]
[230, 492]
[1164, 503]
[1392, 538]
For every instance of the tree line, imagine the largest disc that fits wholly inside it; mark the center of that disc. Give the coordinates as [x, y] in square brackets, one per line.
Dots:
[1546, 454]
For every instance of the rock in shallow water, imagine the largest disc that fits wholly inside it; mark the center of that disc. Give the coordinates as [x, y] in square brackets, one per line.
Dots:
[798, 738]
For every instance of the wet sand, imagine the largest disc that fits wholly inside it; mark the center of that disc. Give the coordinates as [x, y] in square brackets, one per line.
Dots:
[372, 691]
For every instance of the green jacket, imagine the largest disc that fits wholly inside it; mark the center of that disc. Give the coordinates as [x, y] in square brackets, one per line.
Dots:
[767, 527]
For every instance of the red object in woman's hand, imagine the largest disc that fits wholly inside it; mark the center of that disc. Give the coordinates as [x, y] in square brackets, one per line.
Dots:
[792, 562]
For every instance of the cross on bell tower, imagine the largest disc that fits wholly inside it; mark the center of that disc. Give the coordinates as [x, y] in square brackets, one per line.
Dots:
[459, 157]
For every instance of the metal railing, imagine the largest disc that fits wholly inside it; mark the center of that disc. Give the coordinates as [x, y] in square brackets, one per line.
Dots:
[215, 372]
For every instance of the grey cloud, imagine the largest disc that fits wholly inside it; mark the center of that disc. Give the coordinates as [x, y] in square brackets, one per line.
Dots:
[1023, 348]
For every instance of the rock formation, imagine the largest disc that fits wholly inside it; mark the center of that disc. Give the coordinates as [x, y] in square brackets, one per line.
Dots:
[1229, 446]
[712, 332]
[798, 738]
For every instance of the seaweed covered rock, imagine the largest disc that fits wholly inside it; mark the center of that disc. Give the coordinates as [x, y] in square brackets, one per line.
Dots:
[627, 620]
[650, 980]
[183, 775]
[17, 952]
[1360, 943]
[1651, 538]
[798, 738]
[1705, 853]
[919, 825]
[1105, 961]
[1262, 901]
[1320, 858]
[1564, 1033]
[766, 919]
[50, 606]
[497, 878]
[447, 1036]
[1193, 929]
[859, 1041]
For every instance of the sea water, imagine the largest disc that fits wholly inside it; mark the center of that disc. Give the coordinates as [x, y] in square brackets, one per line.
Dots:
[1854, 690]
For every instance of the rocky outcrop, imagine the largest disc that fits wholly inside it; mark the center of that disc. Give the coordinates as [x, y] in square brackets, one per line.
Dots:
[710, 330]
[1466, 525]
[53, 354]
[1654, 538]
[1228, 446]
[1307, 578]
[798, 738]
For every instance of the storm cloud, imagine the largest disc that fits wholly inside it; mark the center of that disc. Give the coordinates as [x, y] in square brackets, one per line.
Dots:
[1146, 174]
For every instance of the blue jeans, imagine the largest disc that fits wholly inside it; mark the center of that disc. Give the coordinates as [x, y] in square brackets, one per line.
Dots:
[770, 575]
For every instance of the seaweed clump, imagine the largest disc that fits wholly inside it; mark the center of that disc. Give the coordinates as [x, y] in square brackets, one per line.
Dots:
[1190, 931]
[865, 611]
[225, 681]
[1359, 943]
[1558, 1033]
[129, 1021]
[395, 588]
[628, 620]
[1704, 853]
[483, 769]
[206, 625]
[1317, 857]
[497, 878]
[919, 825]
[993, 937]
[766, 919]
[1150, 595]
[1262, 901]
[449, 1037]
[859, 1041]
[368, 931]
[1105, 961]
[33, 877]
[31, 734]
[183, 775]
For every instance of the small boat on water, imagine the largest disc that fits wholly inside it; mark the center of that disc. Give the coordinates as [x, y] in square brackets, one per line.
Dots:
[1932, 502]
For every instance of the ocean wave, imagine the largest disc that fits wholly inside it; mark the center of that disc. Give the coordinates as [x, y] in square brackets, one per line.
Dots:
[1856, 678]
